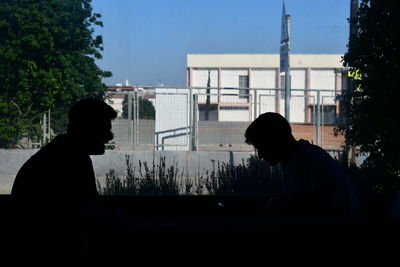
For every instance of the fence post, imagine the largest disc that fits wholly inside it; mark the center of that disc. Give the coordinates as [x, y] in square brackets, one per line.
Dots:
[322, 122]
[194, 126]
[136, 137]
[130, 125]
[255, 104]
[318, 118]
[190, 119]
[44, 129]
[49, 126]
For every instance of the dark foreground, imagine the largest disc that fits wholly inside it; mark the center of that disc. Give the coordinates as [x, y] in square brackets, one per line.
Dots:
[190, 230]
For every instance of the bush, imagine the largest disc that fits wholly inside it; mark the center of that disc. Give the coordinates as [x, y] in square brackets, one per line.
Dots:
[251, 177]
[373, 180]
[151, 181]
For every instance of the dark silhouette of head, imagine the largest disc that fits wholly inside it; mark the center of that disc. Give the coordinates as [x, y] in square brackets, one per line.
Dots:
[271, 135]
[90, 125]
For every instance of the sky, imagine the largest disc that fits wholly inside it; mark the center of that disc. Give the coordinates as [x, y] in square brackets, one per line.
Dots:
[146, 41]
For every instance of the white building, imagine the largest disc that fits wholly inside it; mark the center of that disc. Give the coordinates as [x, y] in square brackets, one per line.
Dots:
[309, 72]
[116, 95]
[242, 86]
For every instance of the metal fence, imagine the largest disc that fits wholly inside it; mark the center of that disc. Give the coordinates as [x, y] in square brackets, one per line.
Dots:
[191, 118]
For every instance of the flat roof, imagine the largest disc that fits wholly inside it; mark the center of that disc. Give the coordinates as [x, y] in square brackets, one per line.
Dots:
[263, 60]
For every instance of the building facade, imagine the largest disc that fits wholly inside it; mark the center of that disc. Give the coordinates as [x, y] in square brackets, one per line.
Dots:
[310, 74]
[225, 92]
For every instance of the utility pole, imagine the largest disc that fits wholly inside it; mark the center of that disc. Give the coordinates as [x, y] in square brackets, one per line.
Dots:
[207, 113]
[287, 74]
[284, 58]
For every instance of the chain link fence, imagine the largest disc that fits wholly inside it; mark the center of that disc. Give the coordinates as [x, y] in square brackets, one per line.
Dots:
[195, 119]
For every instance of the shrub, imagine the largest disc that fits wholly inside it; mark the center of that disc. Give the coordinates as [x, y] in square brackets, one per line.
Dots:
[151, 181]
[251, 177]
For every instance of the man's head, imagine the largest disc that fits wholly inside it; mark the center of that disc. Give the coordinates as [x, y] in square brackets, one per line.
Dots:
[271, 135]
[90, 125]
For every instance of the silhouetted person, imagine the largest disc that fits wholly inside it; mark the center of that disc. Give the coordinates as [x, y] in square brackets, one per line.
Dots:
[56, 187]
[313, 181]
[62, 169]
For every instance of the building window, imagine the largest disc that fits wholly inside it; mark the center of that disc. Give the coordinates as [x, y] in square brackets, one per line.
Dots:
[208, 114]
[328, 115]
[234, 108]
[244, 83]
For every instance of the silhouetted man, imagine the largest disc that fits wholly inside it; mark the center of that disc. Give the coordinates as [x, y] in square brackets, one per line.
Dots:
[313, 181]
[56, 188]
[62, 169]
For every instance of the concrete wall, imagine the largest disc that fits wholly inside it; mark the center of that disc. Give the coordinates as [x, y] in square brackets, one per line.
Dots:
[262, 78]
[200, 77]
[11, 160]
[263, 60]
[192, 162]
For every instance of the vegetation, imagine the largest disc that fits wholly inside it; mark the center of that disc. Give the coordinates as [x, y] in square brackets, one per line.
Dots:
[251, 177]
[156, 180]
[47, 62]
[146, 108]
[372, 113]
[373, 180]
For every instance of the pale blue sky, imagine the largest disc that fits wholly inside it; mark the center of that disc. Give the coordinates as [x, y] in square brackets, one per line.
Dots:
[146, 41]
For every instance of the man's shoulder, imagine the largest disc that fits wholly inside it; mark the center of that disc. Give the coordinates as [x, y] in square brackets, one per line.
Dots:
[58, 144]
[61, 140]
[310, 152]
[56, 151]
[319, 157]
[307, 147]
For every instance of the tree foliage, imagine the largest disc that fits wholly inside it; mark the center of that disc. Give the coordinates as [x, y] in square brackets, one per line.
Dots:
[372, 110]
[146, 108]
[47, 61]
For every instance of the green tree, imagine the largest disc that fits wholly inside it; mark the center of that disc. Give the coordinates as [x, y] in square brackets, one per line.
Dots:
[146, 109]
[47, 61]
[373, 116]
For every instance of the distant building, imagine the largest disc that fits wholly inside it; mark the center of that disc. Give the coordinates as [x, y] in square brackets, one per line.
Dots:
[308, 72]
[240, 88]
[225, 92]
[116, 96]
[117, 93]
